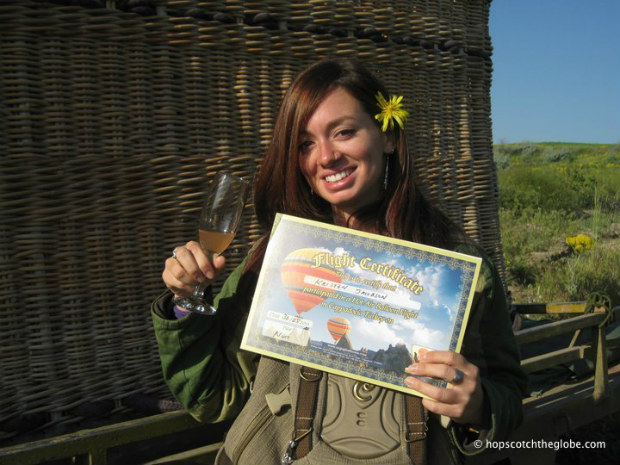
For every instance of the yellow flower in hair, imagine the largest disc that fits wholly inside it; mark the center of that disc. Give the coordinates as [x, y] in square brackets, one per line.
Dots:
[391, 110]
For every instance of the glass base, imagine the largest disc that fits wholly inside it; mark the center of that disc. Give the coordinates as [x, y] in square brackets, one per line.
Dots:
[195, 305]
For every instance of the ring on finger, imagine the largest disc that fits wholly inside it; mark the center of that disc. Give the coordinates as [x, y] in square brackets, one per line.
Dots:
[174, 253]
[458, 376]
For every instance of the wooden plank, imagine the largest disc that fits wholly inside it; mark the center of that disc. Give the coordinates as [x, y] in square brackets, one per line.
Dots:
[601, 374]
[203, 455]
[566, 307]
[555, 357]
[551, 308]
[95, 442]
[556, 328]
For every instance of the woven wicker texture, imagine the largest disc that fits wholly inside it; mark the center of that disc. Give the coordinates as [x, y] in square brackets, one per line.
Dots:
[112, 123]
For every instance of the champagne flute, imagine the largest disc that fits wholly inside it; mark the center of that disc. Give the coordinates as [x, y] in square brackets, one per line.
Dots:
[219, 219]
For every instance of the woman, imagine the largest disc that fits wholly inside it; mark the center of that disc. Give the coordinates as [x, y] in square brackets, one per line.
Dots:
[331, 160]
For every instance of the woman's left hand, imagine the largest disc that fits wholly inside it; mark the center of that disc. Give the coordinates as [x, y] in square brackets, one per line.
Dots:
[463, 400]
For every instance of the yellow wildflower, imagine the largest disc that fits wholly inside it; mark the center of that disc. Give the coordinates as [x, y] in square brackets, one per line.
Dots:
[391, 110]
[580, 242]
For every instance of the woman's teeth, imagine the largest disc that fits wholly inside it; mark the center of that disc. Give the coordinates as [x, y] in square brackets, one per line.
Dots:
[338, 176]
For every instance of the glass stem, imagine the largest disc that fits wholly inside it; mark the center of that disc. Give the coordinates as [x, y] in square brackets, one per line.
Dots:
[199, 290]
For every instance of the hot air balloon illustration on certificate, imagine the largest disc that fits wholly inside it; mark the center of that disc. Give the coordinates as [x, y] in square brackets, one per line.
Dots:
[307, 285]
[338, 327]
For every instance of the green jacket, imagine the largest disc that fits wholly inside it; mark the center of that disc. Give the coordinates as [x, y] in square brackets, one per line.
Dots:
[208, 373]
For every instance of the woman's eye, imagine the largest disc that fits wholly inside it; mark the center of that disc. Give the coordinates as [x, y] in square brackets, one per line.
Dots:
[305, 146]
[346, 132]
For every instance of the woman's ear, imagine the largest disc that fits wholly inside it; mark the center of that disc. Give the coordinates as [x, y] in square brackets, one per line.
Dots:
[388, 142]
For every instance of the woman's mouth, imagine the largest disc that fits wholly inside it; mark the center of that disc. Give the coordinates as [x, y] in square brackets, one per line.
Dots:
[338, 176]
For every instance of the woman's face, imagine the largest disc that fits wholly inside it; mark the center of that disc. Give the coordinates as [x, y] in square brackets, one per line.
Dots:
[342, 154]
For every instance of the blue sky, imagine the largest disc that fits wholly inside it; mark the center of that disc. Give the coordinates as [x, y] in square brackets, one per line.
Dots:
[556, 70]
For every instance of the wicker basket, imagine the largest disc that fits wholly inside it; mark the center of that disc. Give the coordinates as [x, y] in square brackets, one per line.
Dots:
[112, 123]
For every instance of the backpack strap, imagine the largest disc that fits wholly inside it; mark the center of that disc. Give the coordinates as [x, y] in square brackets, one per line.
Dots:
[415, 418]
[305, 410]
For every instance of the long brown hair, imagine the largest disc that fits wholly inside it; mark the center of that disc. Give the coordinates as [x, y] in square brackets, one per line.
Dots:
[403, 212]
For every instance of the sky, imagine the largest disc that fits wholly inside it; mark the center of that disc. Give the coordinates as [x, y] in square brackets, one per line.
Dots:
[556, 70]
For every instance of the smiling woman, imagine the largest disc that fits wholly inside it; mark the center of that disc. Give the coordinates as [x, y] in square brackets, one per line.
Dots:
[331, 160]
[343, 155]
[326, 128]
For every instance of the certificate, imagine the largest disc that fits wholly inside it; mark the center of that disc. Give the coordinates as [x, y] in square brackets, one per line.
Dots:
[357, 304]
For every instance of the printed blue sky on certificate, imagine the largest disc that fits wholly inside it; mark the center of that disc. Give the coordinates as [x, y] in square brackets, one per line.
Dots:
[437, 305]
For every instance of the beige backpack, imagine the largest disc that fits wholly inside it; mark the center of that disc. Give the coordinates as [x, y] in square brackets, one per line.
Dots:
[304, 416]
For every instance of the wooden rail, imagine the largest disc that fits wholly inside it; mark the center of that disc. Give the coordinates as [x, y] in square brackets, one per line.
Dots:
[91, 446]
[596, 350]
[566, 406]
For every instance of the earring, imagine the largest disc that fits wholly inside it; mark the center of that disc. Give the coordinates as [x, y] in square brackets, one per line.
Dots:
[387, 169]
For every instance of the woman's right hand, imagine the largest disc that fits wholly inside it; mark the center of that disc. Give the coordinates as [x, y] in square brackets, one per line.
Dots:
[189, 267]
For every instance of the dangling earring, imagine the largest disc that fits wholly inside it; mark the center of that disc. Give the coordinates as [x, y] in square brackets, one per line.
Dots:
[387, 169]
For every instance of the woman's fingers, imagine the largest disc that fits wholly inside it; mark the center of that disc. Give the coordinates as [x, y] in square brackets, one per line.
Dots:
[200, 263]
[442, 356]
[439, 394]
[176, 279]
[447, 373]
[462, 400]
[455, 411]
[188, 267]
[218, 264]
[193, 260]
[455, 402]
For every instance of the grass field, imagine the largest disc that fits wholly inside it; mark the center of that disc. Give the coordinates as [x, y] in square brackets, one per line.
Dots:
[550, 192]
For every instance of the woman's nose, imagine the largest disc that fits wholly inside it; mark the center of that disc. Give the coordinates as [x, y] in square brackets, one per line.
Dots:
[327, 153]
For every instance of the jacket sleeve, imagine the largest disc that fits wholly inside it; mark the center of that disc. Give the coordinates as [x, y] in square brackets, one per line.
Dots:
[200, 355]
[489, 344]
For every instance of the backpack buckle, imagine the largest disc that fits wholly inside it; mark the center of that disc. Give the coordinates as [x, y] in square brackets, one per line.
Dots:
[289, 455]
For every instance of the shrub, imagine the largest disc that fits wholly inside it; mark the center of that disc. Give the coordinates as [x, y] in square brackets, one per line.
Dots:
[597, 270]
[613, 160]
[531, 230]
[527, 150]
[503, 153]
[582, 182]
[607, 194]
[522, 187]
[501, 159]
[554, 154]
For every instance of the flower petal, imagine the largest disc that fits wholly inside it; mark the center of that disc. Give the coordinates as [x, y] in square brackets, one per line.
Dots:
[398, 120]
[381, 100]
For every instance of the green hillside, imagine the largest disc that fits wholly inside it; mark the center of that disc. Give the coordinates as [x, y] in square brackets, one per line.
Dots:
[551, 194]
